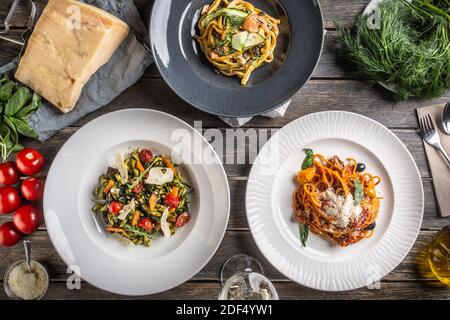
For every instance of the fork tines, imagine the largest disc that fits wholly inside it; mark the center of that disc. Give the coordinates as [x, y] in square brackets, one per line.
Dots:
[426, 124]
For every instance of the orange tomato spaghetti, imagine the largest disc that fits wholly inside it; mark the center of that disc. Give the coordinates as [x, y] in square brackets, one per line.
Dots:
[335, 200]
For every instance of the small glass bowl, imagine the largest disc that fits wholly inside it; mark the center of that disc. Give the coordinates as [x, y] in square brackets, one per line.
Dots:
[8, 290]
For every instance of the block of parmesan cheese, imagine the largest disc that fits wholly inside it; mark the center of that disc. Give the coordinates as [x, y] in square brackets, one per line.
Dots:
[70, 42]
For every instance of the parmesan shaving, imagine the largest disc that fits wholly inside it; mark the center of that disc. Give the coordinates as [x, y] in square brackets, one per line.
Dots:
[123, 170]
[126, 210]
[164, 225]
[159, 176]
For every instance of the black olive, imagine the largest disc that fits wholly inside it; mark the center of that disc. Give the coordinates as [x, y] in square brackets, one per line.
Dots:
[371, 227]
[360, 167]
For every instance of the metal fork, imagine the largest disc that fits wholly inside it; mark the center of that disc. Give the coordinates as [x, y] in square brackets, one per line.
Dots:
[430, 135]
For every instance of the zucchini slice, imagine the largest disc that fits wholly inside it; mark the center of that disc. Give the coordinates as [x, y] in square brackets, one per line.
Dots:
[223, 12]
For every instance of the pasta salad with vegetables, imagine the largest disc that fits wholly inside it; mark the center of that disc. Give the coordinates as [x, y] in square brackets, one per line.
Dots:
[141, 196]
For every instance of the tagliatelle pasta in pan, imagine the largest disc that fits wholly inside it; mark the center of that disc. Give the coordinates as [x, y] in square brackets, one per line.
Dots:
[236, 37]
[336, 200]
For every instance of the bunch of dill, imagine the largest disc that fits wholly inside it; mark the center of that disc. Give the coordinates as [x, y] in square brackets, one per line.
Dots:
[407, 48]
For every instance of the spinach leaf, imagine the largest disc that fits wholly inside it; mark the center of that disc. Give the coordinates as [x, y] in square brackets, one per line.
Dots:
[17, 101]
[29, 109]
[23, 128]
[6, 91]
[359, 193]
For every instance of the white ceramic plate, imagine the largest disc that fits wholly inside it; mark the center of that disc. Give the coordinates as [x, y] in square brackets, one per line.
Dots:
[320, 264]
[76, 232]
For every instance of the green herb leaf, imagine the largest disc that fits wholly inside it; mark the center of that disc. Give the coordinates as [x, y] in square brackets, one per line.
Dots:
[29, 109]
[407, 49]
[6, 91]
[4, 79]
[136, 231]
[304, 233]
[359, 193]
[309, 160]
[17, 101]
[23, 128]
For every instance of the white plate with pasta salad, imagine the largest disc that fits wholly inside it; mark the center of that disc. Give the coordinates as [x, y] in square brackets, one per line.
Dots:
[132, 206]
[334, 201]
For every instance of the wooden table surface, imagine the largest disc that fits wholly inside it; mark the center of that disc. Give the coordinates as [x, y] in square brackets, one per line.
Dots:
[331, 88]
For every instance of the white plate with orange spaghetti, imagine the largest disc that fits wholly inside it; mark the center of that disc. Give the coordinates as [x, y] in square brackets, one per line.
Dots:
[334, 201]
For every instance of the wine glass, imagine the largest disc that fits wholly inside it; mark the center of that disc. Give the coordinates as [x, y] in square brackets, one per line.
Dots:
[242, 279]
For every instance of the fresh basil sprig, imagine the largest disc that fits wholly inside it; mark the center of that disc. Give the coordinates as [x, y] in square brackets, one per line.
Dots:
[16, 104]
[309, 160]
[359, 193]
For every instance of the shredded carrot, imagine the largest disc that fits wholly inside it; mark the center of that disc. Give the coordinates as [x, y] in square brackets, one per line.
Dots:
[174, 191]
[136, 217]
[171, 210]
[139, 166]
[152, 202]
[169, 165]
[108, 186]
[115, 230]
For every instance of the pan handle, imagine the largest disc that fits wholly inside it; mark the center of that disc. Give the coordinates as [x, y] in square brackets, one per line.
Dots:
[30, 25]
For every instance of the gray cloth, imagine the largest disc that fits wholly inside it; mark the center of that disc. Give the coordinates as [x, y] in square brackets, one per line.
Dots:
[125, 67]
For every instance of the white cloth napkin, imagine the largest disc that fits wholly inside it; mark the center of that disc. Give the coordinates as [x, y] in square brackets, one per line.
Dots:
[276, 113]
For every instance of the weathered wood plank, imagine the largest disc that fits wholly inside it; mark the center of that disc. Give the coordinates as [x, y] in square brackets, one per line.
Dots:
[414, 267]
[317, 95]
[342, 12]
[193, 290]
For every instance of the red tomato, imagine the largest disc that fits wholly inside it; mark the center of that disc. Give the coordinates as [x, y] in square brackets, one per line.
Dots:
[27, 218]
[9, 199]
[145, 155]
[9, 235]
[32, 189]
[30, 161]
[139, 188]
[171, 200]
[115, 207]
[182, 219]
[146, 224]
[8, 173]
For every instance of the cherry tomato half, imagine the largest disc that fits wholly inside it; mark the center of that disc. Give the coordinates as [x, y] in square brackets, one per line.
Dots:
[32, 189]
[30, 161]
[146, 224]
[115, 207]
[139, 188]
[171, 200]
[145, 155]
[27, 218]
[9, 199]
[182, 219]
[9, 235]
[8, 173]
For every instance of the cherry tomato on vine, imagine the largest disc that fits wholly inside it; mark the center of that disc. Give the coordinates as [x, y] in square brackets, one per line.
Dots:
[9, 199]
[32, 189]
[27, 218]
[30, 161]
[8, 173]
[9, 235]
